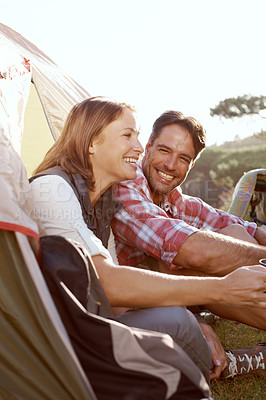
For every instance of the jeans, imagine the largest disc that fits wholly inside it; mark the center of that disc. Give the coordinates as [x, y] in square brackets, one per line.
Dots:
[180, 324]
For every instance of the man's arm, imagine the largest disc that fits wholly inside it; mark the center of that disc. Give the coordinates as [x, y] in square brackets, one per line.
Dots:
[236, 231]
[217, 254]
[132, 287]
[187, 239]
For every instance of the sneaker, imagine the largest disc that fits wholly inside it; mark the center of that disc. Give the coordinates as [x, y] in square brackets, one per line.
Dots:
[246, 362]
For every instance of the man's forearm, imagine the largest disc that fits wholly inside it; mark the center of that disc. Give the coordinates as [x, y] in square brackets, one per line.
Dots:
[217, 254]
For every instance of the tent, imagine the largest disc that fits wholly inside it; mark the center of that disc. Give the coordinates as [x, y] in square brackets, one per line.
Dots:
[52, 95]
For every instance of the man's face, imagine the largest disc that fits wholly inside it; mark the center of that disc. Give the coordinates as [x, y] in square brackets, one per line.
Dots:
[167, 162]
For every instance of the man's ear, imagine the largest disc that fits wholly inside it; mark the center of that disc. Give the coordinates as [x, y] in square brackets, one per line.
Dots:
[148, 146]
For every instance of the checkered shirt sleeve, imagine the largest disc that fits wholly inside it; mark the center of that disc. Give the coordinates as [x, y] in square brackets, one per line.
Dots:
[142, 228]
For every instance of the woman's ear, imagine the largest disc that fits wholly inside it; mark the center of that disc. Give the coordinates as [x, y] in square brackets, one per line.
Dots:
[91, 148]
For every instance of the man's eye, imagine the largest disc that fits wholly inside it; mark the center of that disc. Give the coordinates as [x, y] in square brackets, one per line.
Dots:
[127, 135]
[163, 150]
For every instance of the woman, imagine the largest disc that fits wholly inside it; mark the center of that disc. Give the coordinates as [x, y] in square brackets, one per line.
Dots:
[99, 146]
[71, 188]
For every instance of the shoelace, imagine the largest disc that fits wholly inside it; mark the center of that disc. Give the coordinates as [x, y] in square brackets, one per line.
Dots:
[233, 369]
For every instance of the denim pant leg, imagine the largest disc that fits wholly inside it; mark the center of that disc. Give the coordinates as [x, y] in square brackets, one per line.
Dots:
[180, 324]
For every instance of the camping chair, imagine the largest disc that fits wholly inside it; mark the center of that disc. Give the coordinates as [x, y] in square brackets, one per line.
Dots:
[249, 197]
[37, 359]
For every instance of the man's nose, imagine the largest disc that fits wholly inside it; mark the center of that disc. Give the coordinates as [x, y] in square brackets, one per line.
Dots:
[171, 163]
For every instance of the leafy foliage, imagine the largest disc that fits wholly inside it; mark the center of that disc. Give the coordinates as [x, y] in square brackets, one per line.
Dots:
[219, 168]
[239, 106]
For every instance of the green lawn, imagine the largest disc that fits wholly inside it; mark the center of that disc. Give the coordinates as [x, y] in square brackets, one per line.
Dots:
[236, 335]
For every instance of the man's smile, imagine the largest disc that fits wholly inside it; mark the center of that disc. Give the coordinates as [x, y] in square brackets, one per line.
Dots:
[165, 176]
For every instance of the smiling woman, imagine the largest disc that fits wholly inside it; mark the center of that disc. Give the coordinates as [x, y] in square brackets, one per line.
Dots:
[98, 146]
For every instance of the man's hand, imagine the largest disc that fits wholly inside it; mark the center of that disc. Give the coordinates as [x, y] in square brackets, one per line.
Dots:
[219, 357]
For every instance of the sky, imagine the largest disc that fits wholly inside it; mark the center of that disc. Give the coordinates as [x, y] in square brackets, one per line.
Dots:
[157, 55]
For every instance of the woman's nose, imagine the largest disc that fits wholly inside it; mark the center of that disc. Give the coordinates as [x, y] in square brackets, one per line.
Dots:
[138, 147]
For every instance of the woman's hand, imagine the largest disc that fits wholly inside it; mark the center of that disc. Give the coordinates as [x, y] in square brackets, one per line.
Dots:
[219, 357]
[245, 286]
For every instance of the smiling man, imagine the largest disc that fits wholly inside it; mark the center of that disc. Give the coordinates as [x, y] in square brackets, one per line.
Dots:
[157, 220]
[180, 234]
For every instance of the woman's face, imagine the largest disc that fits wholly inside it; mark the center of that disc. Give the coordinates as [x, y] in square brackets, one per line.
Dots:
[115, 152]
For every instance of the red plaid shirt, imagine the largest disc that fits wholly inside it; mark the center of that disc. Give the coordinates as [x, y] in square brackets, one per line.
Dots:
[142, 228]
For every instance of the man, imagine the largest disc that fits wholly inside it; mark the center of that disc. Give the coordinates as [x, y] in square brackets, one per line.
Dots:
[182, 234]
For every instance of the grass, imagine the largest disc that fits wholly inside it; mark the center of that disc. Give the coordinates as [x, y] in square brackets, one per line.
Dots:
[236, 335]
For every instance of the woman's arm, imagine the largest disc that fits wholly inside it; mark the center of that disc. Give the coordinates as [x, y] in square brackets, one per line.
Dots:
[132, 287]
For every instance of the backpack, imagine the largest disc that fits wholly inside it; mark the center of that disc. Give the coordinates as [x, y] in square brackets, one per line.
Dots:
[121, 362]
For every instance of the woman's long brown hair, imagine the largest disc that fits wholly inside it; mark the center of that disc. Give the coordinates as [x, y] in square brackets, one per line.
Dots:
[84, 123]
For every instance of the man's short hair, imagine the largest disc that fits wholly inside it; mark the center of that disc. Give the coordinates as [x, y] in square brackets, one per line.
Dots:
[194, 127]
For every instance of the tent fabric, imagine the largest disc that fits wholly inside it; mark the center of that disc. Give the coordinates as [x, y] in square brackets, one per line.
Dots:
[243, 192]
[16, 207]
[37, 359]
[57, 91]
[15, 199]
[14, 93]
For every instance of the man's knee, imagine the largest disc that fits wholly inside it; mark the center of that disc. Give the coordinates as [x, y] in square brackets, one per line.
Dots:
[237, 231]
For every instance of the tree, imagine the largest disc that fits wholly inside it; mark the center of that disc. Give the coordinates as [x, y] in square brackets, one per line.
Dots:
[236, 107]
